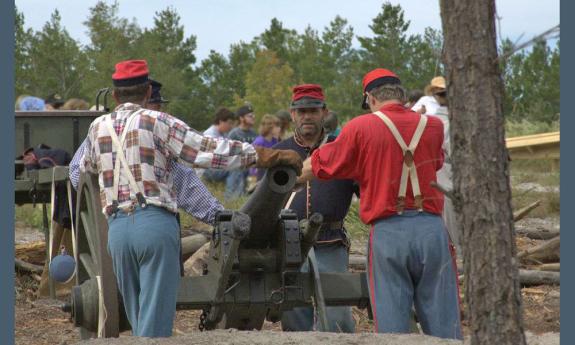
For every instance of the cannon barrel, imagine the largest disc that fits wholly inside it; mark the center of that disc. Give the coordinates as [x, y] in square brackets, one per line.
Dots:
[265, 204]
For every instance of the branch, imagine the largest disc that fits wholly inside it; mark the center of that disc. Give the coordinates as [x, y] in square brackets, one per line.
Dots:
[26, 266]
[524, 211]
[552, 33]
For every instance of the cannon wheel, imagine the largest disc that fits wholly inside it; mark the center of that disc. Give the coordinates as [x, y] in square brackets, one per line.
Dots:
[92, 254]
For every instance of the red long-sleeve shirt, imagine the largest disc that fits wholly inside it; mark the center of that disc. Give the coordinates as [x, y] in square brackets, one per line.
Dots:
[367, 152]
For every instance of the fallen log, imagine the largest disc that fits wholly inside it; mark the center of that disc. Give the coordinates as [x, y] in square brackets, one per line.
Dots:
[552, 267]
[194, 266]
[190, 244]
[28, 267]
[538, 234]
[357, 262]
[548, 251]
[525, 211]
[534, 277]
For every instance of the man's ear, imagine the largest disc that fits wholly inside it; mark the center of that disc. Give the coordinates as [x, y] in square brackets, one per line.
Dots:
[371, 100]
[115, 97]
[292, 113]
[148, 95]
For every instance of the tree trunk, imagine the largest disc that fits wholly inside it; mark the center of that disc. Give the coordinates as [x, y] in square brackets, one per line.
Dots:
[481, 178]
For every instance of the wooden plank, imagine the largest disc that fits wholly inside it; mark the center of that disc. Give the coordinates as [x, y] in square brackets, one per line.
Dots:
[533, 140]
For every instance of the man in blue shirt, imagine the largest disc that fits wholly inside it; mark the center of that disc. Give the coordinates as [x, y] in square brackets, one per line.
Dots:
[330, 198]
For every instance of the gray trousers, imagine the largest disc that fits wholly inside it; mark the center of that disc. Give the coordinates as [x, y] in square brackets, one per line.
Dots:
[330, 258]
[409, 263]
[144, 247]
[445, 179]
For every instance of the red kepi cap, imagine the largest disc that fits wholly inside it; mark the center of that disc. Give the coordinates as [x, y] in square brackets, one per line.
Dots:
[307, 96]
[130, 72]
[376, 78]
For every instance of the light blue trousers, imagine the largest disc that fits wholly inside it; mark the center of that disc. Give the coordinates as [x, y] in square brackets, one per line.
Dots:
[235, 184]
[409, 263]
[144, 246]
[330, 258]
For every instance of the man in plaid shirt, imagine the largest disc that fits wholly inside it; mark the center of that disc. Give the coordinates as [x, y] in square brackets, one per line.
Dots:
[132, 151]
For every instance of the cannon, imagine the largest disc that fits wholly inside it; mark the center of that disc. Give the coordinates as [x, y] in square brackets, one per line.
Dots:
[252, 273]
[253, 270]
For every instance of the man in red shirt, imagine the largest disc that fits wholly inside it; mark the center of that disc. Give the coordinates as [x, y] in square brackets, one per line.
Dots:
[394, 153]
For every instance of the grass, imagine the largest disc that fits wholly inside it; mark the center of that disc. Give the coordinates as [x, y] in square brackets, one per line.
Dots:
[520, 128]
[29, 215]
[533, 181]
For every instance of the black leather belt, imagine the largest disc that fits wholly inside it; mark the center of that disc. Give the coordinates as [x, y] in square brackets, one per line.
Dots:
[332, 226]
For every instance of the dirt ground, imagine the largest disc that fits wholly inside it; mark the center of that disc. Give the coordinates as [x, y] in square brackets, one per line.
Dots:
[40, 321]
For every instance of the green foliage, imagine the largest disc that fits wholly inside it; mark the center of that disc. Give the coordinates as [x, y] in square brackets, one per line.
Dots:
[524, 127]
[170, 56]
[414, 58]
[532, 83]
[53, 61]
[356, 229]
[29, 215]
[268, 83]
[278, 39]
[23, 41]
[111, 40]
[263, 70]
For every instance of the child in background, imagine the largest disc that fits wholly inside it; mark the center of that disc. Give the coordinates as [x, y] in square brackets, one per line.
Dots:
[269, 136]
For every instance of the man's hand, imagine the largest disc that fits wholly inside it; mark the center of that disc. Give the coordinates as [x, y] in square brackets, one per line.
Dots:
[268, 158]
[307, 172]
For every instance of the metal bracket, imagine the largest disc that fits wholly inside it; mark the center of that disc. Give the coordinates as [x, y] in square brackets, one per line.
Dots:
[231, 229]
[290, 241]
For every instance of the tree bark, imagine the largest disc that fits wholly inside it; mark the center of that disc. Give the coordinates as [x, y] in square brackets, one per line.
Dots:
[480, 171]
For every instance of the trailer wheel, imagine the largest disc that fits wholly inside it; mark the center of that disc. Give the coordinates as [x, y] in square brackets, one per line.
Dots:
[95, 299]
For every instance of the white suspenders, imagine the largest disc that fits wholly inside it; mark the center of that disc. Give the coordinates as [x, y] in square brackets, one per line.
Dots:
[409, 169]
[121, 161]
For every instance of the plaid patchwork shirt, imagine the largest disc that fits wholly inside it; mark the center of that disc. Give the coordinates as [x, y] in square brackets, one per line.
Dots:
[192, 195]
[153, 142]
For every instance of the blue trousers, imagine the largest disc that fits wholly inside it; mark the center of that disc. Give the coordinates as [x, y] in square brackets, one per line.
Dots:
[235, 181]
[409, 263]
[235, 184]
[330, 258]
[144, 246]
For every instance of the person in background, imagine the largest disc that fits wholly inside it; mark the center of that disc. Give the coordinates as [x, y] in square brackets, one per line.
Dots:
[428, 104]
[285, 122]
[54, 101]
[223, 122]
[330, 124]
[75, 104]
[30, 103]
[412, 97]
[269, 134]
[156, 101]
[237, 180]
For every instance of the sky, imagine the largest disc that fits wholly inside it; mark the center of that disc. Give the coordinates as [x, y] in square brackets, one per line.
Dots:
[219, 23]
